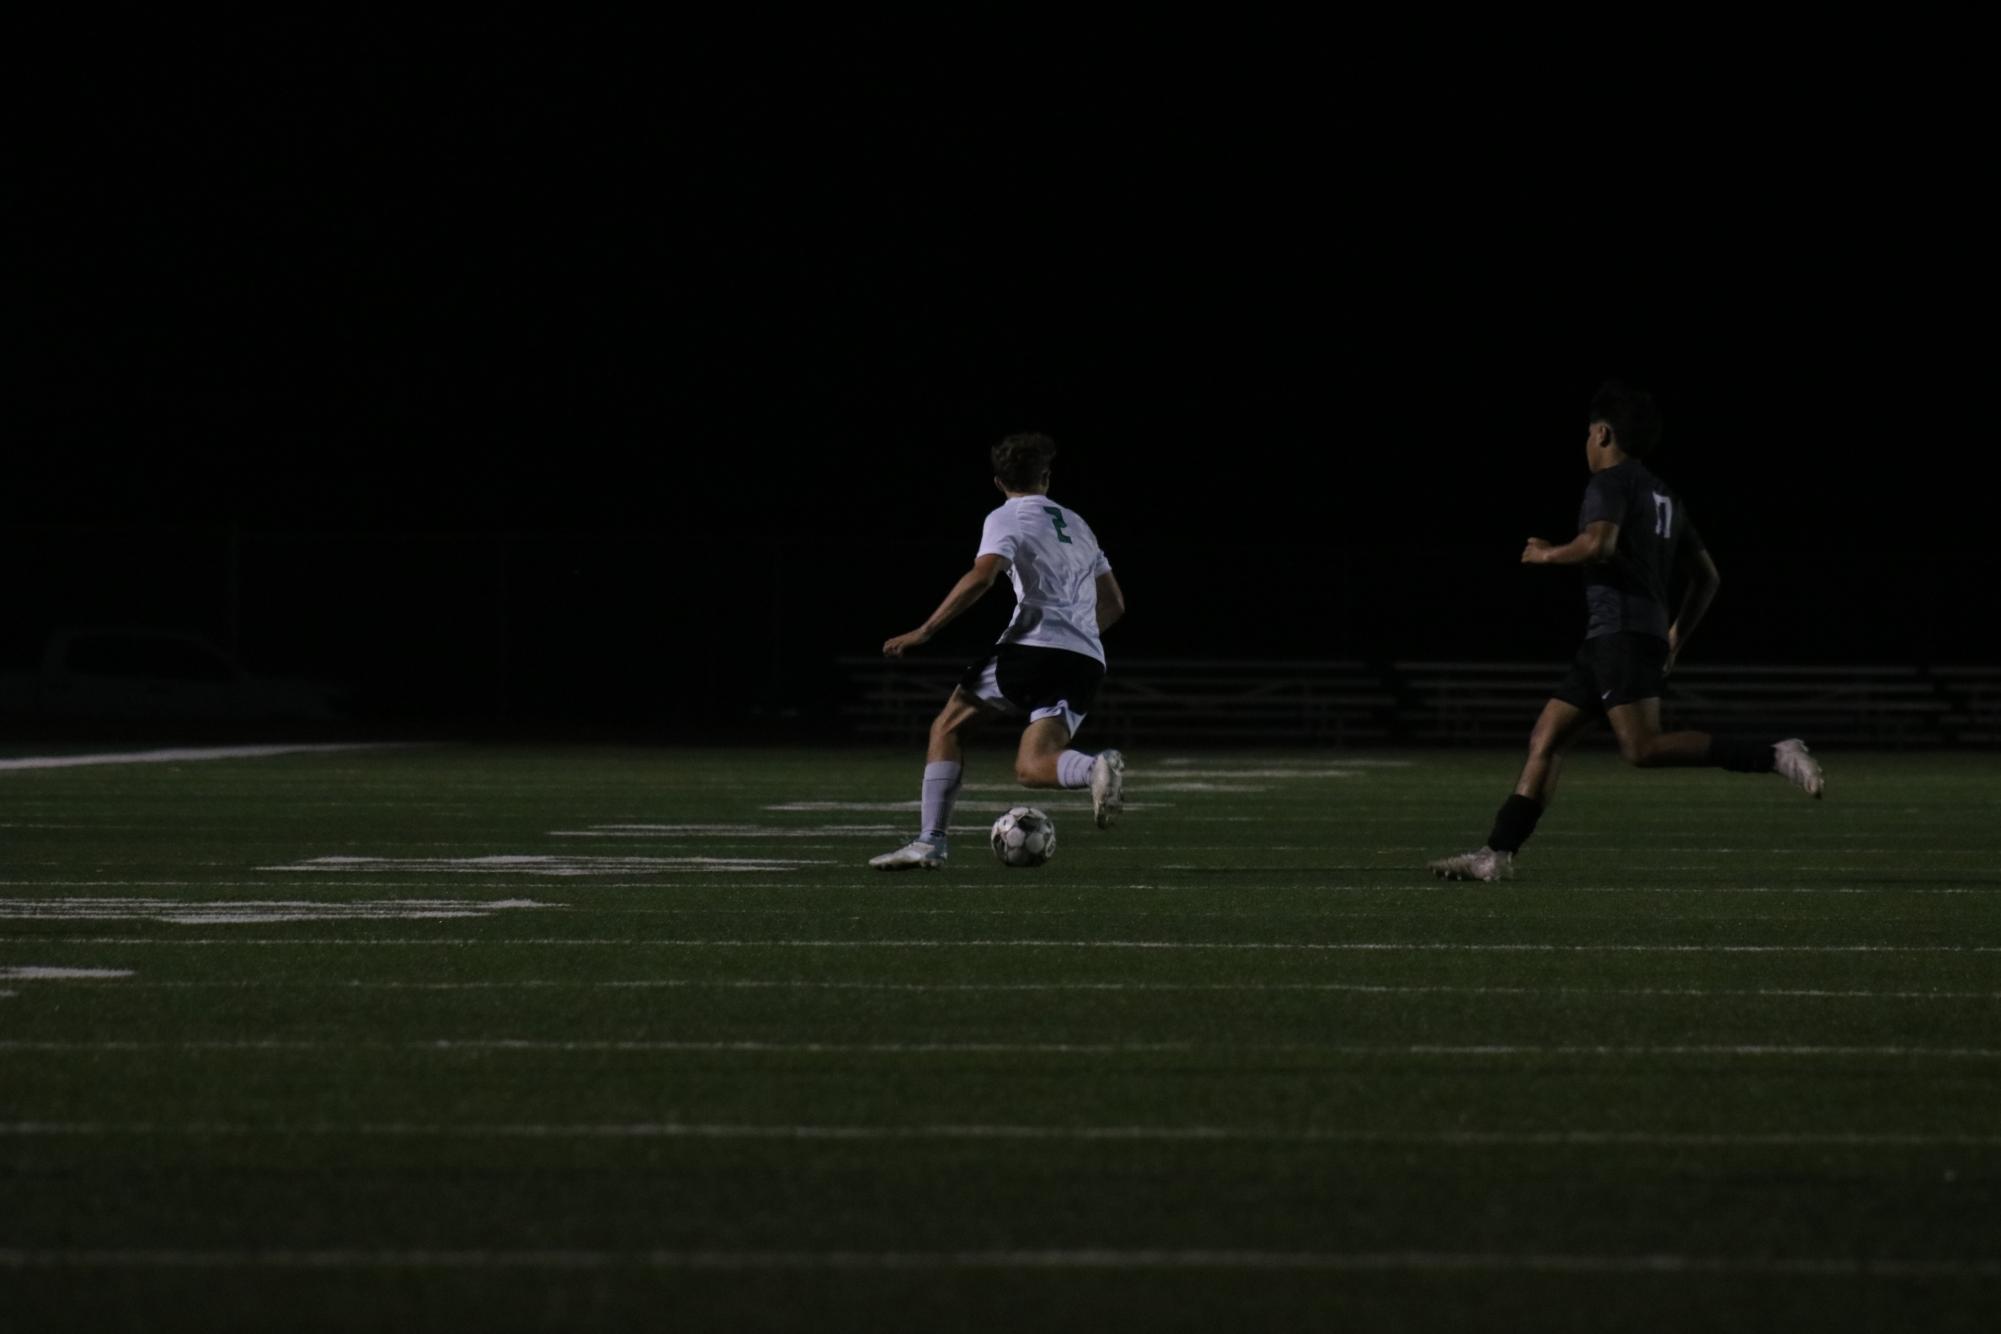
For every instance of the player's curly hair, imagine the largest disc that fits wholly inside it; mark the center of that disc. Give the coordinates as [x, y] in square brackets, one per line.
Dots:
[1631, 413]
[1021, 461]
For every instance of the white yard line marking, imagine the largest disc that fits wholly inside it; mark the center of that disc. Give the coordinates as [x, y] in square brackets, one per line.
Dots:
[221, 912]
[1773, 889]
[1191, 780]
[1579, 846]
[1136, 1134]
[832, 806]
[543, 864]
[1416, 1050]
[1045, 798]
[1177, 782]
[876, 883]
[929, 988]
[185, 755]
[881, 912]
[874, 880]
[1289, 767]
[688, 828]
[1339, 947]
[1153, 778]
[37, 973]
[749, 831]
[635, 1045]
[1111, 1259]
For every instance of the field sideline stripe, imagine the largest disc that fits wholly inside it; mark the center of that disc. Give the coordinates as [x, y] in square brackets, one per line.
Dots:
[687, 879]
[721, 1047]
[615, 1044]
[1365, 947]
[794, 984]
[1501, 1262]
[1094, 1134]
[187, 754]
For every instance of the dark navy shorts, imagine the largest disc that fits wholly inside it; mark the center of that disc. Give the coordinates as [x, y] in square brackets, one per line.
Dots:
[1621, 668]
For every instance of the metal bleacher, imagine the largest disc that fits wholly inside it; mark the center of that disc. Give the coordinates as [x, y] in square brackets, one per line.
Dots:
[1973, 698]
[1459, 703]
[1333, 703]
[1471, 702]
[1245, 702]
[1832, 705]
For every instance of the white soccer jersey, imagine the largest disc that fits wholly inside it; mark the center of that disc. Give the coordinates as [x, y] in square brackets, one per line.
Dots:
[1054, 563]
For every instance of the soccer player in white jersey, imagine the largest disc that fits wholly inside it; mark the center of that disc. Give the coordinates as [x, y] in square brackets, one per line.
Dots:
[1047, 664]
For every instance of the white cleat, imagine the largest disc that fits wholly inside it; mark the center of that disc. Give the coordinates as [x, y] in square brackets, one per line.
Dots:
[1485, 864]
[1800, 769]
[1108, 787]
[913, 856]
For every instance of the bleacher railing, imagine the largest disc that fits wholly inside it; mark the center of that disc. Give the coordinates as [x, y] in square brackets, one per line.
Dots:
[1339, 702]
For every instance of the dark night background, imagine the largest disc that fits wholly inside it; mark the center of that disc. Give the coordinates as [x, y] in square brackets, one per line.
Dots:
[624, 378]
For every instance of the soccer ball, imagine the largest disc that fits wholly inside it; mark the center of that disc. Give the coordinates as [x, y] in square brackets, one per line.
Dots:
[1024, 837]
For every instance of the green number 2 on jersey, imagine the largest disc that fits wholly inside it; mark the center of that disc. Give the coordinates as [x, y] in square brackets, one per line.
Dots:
[1056, 517]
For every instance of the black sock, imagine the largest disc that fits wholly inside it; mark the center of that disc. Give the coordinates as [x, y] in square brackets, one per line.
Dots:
[1740, 756]
[1514, 822]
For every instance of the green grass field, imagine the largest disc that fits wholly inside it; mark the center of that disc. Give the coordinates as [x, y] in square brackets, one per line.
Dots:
[1721, 1057]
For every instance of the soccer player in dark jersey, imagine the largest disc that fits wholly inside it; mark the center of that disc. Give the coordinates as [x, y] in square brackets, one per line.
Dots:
[1633, 538]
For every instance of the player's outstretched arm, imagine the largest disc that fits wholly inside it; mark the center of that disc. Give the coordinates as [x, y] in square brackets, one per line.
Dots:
[1598, 542]
[1111, 601]
[972, 586]
[1703, 581]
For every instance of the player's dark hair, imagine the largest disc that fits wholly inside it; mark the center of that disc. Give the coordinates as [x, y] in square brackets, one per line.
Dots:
[1021, 460]
[1631, 413]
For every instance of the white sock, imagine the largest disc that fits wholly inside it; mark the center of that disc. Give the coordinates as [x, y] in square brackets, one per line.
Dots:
[1073, 768]
[941, 790]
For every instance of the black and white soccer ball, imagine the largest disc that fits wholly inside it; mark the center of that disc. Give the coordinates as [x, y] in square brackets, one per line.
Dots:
[1024, 836]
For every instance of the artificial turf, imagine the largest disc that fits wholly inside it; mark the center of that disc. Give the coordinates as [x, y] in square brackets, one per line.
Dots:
[1720, 1056]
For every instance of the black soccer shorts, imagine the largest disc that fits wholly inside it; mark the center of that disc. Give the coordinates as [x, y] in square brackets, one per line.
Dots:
[1621, 668]
[1040, 682]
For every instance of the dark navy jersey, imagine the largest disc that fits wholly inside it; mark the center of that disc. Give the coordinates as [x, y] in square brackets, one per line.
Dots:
[1630, 592]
